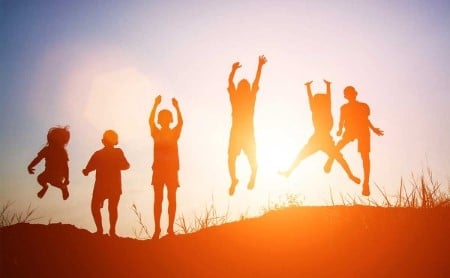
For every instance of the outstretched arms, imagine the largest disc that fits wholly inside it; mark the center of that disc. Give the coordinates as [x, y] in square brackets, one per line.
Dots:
[151, 120]
[376, 130]
[231, 76]
[177, 129]
[261, 61]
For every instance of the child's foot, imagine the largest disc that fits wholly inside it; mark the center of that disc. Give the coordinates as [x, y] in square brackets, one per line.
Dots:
[327, 167]
[99, 233]
[41, 193]
[156, 234]
[285, 173]
[366, 190]
[355, 179]
[251, 184]
[112, 234]
[233, 187]
[170, 233]
[65, 193]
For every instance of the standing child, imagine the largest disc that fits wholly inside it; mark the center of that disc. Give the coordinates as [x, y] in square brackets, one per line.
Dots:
[320, 105]
[108, 163]
[355, 120]
[165, 162]
[56, 171]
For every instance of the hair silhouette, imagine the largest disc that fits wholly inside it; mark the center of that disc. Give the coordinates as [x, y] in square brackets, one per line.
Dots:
[108, 163]
[242, 136]
[165, 162]
[355, 121]
[56, 170]
[320, 105]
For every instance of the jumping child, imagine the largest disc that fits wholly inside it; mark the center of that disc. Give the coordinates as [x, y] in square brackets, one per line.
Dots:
[320, 105]
[165, 162]
[56, 171]
[242, 135]
[108, 163]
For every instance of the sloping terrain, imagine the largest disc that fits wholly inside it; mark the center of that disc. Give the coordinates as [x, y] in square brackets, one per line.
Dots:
[302, 241]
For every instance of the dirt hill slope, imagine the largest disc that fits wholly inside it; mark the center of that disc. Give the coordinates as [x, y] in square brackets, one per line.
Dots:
[312, 241]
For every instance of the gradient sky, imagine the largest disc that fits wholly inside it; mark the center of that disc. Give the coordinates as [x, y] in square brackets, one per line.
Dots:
[97, 65]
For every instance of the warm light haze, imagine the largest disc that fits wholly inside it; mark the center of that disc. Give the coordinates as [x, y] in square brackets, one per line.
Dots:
[99, 65]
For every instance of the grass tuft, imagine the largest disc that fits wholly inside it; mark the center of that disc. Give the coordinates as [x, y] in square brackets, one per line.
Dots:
[9, 217]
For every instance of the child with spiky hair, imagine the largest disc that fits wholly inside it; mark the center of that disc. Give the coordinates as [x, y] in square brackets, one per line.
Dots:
[56, 170]
[107, 163]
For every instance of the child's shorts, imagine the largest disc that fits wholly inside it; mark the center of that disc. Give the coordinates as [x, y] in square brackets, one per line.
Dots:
[168, 177]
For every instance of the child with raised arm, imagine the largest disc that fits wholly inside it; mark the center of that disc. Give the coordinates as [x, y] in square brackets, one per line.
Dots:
[355, 120]
[108, 163]
[165, 162]
[242, 135]
[56, 171]
[320, 105]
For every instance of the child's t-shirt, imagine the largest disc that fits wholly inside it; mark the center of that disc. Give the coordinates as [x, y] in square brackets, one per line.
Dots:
[356, 118]
[108, 163]
[165, 149]
[55, 160]
[243, 107]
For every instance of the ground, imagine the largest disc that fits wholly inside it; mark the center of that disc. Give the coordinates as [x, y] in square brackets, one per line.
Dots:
[350, 241]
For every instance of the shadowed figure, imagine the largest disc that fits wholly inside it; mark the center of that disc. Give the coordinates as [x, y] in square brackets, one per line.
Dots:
[165, 162]
[242, 137]
[108, 164]
[355, 120]
[56, 171]
[320, 105]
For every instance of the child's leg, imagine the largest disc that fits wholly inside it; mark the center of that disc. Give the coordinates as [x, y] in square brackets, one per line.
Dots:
[42, 180]
[344, 141]
[366, 167]
[234, 148]
[60, 184]
[96, 204]
[340, 159]
[251, 156]
[113, 203]
[157, 207]
[172, 197]
[306, 151]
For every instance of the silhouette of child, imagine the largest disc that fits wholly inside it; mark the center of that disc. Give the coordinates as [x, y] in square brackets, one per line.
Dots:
[108, 163]
[56, 171]
[355, 120]
[320, 105]
[242, 137]
[165, 162]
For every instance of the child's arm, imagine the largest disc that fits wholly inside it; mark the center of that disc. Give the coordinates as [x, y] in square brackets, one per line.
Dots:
[151, 120]
[177, 129]
[231, 76]
[33, 163]
[90, 166]
[262, 60]
[376, 130]
[66, 174]
[124, 162]
[308, 90]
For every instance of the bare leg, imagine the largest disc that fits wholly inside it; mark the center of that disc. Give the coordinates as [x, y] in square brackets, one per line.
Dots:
[42, 180]
[232, 171]
[172, 196]
[339, 146]
[304, 153]
[95, 210]
[340, 159]
[113, 203]
[254, 167]
[366, 167]
[157, 207]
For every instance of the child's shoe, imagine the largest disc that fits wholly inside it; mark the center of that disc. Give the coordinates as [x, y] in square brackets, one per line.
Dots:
[65, 193]
[41, 193]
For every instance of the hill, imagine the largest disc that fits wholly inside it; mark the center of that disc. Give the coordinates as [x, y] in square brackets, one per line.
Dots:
[333, 241]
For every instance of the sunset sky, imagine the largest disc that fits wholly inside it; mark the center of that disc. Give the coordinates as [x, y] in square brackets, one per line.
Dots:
[97, 65]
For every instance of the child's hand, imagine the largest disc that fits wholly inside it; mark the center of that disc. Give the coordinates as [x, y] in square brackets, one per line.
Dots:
[378, 131]
[327, 82]
[308, 83]
[262, 60]
[31, 170]
[174, 102]
[339, 132]
[236, 66]
[158, 100]
[85, 172]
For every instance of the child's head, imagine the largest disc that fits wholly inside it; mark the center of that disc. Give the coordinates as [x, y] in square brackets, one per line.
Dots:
[165, 118]
[243, 86]
[110, 138]
[350, 93]
[58, 136]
